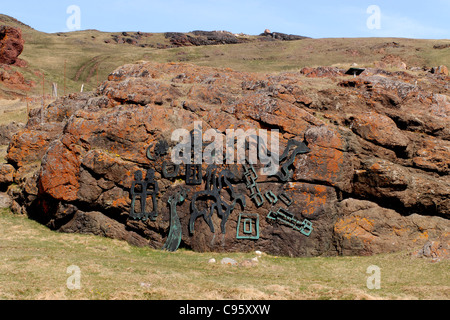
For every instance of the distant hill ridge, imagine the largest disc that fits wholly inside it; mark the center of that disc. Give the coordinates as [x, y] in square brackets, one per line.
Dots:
[204, 38]
[7, 20]
[85, 58]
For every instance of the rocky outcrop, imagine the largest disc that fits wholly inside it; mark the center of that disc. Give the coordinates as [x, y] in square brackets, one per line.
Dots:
[5, 201]
[11, 45]
[207, 38]
[322, 72]
[436, 250]
[281, 36]
[441, 46]
[443, 70]
[98, 224]
[201, 38]
[391, 61]
[15, 81]
[131, 38]
[367, 171]
[366, 228]
[7, 172]
[7, 131]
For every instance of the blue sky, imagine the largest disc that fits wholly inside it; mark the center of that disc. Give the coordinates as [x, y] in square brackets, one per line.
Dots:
[315, 18]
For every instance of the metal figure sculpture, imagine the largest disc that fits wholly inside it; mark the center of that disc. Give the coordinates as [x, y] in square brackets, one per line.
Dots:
[141, 190]
[174, 238]
[216, 181]
[137, 193]
[285, 174]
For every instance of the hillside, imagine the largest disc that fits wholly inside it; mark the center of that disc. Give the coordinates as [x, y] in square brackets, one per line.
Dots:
[82, 53]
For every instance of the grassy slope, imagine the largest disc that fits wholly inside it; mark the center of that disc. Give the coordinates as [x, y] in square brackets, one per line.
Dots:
[84, 51]
[35, 261]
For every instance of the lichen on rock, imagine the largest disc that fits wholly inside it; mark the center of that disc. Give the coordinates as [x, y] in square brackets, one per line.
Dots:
[375, 178]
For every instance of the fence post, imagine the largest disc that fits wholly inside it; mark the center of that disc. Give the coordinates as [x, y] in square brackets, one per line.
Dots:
[65, 62]
[55, 90]
[43, 98]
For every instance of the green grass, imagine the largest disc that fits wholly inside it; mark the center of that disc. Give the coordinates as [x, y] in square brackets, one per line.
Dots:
[12, 110]
[35, 261]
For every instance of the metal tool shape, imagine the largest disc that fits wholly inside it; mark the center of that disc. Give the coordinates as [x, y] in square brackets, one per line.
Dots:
[175, 234]
[287, 218]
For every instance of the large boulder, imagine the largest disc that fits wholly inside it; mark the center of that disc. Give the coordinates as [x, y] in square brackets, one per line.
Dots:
[77, 163]
[366, 228]
[11, 45]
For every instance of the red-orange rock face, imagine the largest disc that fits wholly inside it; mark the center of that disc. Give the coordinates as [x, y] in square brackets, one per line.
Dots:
[378, 139]
[6, 174]
[11, 44]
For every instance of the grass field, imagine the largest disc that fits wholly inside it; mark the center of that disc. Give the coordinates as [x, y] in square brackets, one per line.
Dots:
[34, 262]
[13, 110]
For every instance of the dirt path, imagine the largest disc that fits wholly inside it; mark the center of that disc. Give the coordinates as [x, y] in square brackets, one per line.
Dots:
[92, 64]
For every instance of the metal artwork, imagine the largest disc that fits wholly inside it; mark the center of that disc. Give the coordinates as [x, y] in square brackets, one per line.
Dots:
[273, 199]
[285, 174]
[287, 218]
[194, 174]
[174, 239]
[216, 181]
[141, 190]
[251, 182]
[285, 199]
[161, 148]
[248, 226]
[170, 174]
